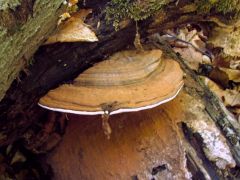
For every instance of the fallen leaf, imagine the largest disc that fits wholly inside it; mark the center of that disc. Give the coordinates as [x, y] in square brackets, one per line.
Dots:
[227, 37]
[18, 157]
[232, 74]
[235, 110]
[220, 77]
[221, 61]
[229, 97]
[189, 44]
[235, 64]
[192, 57]
[9, 149]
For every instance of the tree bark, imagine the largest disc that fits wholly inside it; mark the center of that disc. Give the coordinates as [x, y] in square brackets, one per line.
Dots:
[23, 27]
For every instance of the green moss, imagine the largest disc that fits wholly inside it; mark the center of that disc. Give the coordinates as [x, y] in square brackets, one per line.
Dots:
[25, 41]
[9, 4]
[132, 9]
[227, 6]
[142, 9]
[220, 6]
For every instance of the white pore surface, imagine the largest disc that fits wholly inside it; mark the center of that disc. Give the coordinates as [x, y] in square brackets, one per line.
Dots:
[113, 112]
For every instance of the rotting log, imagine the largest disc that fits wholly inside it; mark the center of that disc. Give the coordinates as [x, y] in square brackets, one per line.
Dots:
[213, 106]
[144, 141]
[23, 27]
[60, 63]
[143, 145]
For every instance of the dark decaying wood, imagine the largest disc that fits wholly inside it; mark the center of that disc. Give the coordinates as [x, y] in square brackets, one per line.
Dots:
[19, 107]
[58, 63]
[67, 62]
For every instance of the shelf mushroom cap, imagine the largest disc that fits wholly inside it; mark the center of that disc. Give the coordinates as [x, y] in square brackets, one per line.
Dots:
[127, 81]
[74, 30]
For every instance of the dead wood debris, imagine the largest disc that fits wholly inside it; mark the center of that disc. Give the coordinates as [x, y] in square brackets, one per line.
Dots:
[222, 77]
[24, 158]
[194, 46]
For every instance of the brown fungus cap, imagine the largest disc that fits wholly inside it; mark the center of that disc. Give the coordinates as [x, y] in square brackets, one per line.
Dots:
[127, 81]
[74, 30]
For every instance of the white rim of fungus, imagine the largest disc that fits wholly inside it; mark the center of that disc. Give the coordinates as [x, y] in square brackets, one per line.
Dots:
[112, 112]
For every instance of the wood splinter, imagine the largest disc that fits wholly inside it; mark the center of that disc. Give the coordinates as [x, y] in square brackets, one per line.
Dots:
[105, 124]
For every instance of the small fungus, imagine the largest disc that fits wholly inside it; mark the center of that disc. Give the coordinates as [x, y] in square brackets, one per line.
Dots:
[128, 81]
[74, 30]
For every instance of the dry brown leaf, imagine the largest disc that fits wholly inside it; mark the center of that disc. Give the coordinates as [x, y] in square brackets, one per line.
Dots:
[237, 87]
[235, 110]
[233, 74]
[232, 97]
[194, 49]
[228, 96]
[213, 86]
[235, 64]
[74, 30]
[186, 35]
[18, 157]
[227, 37]
[220, 77]
[192, 37]
[192, 57]
[220, 61]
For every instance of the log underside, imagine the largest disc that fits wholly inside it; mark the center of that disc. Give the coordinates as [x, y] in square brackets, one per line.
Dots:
[66, 60]
[160, 138]
[84, 134]
[143, 145]
[139, 143]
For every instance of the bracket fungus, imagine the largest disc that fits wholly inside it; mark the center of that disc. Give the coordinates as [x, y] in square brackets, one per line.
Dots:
[74, 30]
[127, 81]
